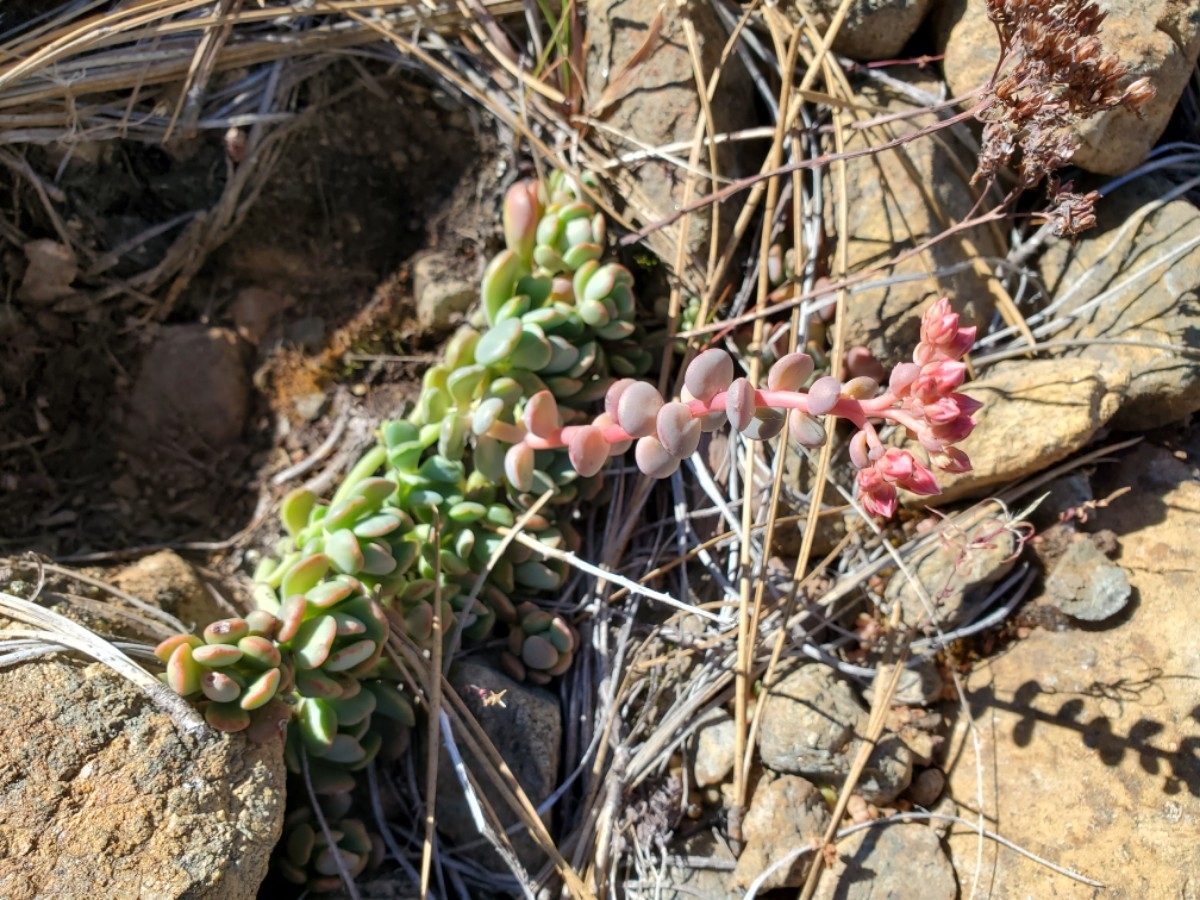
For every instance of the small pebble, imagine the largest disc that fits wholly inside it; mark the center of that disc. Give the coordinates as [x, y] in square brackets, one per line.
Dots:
[927, 787]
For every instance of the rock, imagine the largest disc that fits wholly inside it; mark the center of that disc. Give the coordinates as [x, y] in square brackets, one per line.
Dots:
[193, 392]
[50, 269]
[309, 406]
[888, 771]
[525, 724]
[100, 796]
[1086, 585]
[809, 724]
[714, 751]
[442, 289]
[899, 198]
[927, 787]
[899, 862]
[812, 725]
[957, 572]
[1161, 306]
[873, 29]
[687, 882]
[785, 814]
[1055, 406]
[254, 309]
[655, 102]
[920, 683]
[1089, 738]
[166, 580]
[920, 729]
[1156, 38]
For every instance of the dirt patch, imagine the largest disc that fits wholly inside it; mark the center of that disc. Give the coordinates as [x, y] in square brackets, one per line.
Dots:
[390, 168]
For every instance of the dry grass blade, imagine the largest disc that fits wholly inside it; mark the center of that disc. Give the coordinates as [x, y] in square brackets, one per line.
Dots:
[55, 629]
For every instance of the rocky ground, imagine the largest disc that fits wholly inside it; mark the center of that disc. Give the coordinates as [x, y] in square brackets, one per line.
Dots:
[1062, 711]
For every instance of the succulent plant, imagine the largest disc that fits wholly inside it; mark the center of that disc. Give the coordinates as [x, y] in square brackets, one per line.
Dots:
[418, 526]
[418, 529]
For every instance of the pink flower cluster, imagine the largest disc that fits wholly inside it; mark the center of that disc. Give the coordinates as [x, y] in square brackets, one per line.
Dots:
[921, 396]
[925, 390]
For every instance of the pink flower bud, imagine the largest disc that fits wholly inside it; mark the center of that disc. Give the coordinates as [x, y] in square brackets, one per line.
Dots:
[895, 464]
[939, 322]
[953, 432]
[941, 411]
[951, 460]
[876, 495]
[522, 210]
[937, 379]
[968, 405]
[920, 481]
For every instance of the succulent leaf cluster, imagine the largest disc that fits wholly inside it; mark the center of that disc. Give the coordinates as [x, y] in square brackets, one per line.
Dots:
[417, 531]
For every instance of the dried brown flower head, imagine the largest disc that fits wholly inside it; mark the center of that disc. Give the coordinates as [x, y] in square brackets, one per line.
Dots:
[1054, 73]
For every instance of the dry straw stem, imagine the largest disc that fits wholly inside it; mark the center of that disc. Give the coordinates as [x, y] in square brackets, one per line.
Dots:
[747, 640]
[467, 730]
[56, 631]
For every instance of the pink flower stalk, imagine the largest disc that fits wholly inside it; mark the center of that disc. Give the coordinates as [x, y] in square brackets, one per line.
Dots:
[921, 396]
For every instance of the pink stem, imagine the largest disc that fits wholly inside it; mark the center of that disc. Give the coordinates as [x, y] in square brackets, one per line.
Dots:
[854, 411]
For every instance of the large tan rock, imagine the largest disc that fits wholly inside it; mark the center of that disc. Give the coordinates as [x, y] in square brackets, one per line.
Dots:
[1090, 739]
[896, 200]
[654, 102]
[1136, 277]
[873, 29]
[1156, 38]
[169, 582]
[1035, 413]
[100, 796]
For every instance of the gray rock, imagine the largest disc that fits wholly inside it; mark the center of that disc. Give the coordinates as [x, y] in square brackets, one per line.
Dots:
[714, 751]
[1160, 307]
[255, 309]
[784, 814]
[956, 572]
[897, 199]
[1035, 413]
[655, 102]
[873, 29]
[812, 726]
[443, 287]
[810, 721]
[920, 683]
[888, 771]
[944, 807]
[192, 392]
[1087, 585]
[525, 724]
[688, 882]
[100, 796]
[927, 787]
[899, 862]
[1157, 38]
